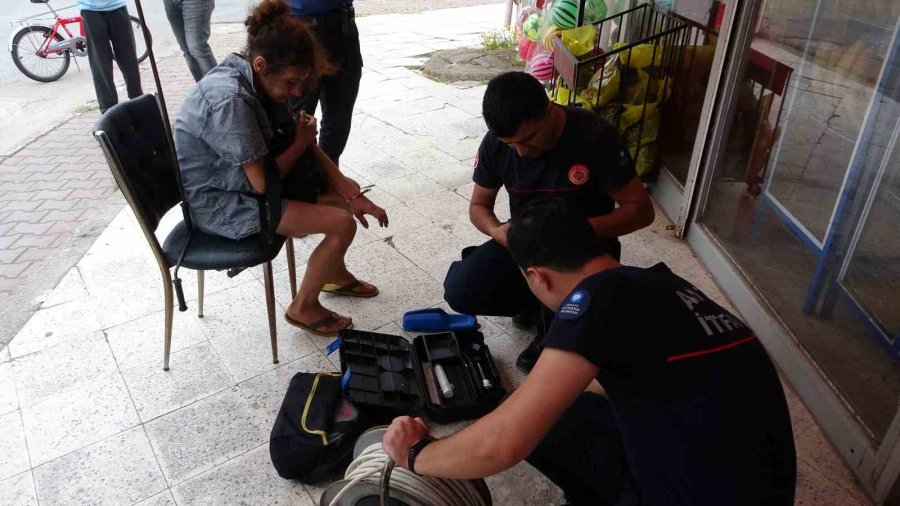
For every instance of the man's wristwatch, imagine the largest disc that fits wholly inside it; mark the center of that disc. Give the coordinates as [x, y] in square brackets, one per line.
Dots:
[414, 452]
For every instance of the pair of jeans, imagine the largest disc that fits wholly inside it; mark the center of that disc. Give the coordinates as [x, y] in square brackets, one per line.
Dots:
[110, 36]
[190, 20]
[338, 34]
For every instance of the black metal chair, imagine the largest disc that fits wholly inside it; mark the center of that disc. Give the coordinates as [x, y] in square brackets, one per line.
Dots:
[140, 155]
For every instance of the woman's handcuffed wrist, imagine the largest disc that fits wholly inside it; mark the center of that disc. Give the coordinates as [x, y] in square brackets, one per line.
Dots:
[360, 194]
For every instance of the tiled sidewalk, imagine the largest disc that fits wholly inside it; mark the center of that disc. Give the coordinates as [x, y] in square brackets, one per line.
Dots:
[87, 415]
[57, 194]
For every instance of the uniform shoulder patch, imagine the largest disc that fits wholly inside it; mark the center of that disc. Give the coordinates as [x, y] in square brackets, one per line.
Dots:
[575, 306]
[579, 174]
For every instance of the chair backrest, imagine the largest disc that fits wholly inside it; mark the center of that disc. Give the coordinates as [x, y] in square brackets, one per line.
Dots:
[137, 148]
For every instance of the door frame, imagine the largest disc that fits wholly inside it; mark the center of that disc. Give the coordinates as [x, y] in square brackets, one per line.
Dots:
[674, 198]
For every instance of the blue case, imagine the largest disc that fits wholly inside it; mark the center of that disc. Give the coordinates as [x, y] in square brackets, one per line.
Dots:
[436, 320]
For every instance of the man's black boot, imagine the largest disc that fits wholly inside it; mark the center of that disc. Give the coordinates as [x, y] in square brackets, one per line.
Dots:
[526, 320]
[530, 355]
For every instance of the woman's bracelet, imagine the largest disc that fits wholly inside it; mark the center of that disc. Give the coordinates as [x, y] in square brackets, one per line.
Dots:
[360, 194]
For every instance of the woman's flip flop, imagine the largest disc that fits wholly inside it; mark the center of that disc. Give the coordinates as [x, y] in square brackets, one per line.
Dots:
[350, 290]
[324, 322]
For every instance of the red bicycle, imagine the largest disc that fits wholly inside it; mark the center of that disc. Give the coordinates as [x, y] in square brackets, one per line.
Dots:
[43, 53]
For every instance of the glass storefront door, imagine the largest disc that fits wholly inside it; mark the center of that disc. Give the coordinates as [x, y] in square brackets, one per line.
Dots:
[871, 275]
[681, 119]
[805, 193]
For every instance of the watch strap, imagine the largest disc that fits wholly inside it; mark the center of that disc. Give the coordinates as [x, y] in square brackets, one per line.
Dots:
[414, 452]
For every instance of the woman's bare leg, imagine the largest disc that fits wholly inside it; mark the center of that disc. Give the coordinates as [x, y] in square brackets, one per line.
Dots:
[326, 261]
[333, 199]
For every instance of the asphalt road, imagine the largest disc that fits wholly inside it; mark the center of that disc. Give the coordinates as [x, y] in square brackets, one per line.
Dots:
[28, 108]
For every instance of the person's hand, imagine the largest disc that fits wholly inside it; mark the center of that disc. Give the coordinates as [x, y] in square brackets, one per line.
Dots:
[404, 432]
[498, 234]
[361, 206]
[306, 130]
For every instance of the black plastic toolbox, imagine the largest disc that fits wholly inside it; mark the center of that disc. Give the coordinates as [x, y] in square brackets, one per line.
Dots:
[390, 373]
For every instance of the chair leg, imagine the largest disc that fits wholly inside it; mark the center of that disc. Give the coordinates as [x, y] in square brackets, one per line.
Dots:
[292, 265]
[270, 308]
[170, 313]
[200, 279]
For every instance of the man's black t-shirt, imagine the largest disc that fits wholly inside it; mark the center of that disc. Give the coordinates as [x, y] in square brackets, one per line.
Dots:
[587, 162]
[701, 409]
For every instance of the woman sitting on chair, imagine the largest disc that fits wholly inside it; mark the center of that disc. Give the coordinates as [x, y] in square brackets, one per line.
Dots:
[234, 122]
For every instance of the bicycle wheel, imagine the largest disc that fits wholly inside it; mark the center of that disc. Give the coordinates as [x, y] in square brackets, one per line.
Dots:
[24, 51]
[140, 44]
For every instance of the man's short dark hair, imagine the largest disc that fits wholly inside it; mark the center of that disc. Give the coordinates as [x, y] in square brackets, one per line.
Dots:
[552, 232]
[512, 99]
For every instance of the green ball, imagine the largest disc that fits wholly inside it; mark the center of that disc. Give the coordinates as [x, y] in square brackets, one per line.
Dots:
[594, 10]
[532, 26]
[564, 14]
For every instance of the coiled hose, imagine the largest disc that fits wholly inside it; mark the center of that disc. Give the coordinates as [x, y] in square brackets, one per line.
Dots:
[372, 461]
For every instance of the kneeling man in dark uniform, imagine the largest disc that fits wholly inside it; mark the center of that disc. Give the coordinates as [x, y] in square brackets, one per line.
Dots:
[693, 411]
[535, 148]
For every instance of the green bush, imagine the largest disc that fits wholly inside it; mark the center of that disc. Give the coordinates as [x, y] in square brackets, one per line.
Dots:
[499, 38]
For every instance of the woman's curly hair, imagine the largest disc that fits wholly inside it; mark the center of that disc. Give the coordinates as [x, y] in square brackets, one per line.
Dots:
[284, 41]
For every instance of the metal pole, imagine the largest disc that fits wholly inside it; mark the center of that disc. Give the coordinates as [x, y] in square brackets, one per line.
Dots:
[507, 19]
[159, 90]
[185, 211]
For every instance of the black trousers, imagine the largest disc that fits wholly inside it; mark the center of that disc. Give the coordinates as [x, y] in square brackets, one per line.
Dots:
[110, 35]
[488, 282]
[583, 455]
[337, 92]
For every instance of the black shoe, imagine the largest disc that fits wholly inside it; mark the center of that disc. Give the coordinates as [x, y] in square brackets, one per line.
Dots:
[525, 321]
[531, 354]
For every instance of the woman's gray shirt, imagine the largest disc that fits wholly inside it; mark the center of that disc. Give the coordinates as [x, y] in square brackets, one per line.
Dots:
[221, 126]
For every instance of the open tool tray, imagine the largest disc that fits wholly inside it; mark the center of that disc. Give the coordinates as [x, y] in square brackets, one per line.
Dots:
[391, 374]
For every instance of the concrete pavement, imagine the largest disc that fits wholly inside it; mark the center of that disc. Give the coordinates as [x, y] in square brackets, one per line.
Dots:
[56, 192]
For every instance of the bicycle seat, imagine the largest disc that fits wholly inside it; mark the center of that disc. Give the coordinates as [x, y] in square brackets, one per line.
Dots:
[39, 1]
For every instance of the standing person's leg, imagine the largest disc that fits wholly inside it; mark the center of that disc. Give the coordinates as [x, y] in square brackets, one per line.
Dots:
[196, 15]
[487, 282]
[176, 20]
[100, 57]
[339, 97]
[584, 456]
[308, 102]
[337, 93]
[122, 37]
